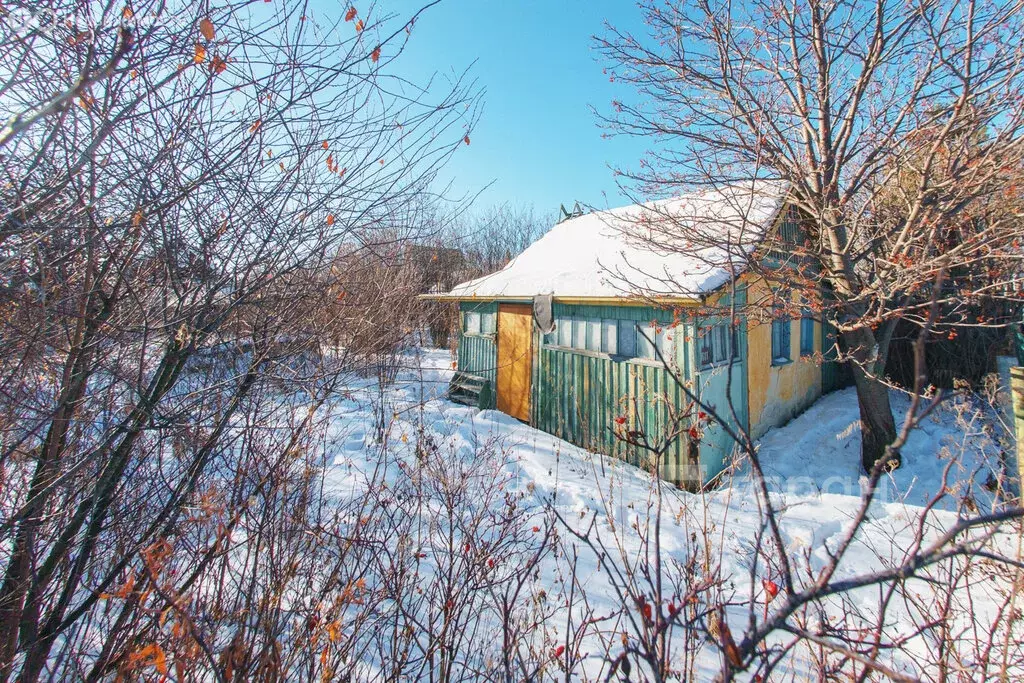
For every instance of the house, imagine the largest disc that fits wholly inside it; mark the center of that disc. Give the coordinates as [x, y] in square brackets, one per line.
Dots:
[623, 295]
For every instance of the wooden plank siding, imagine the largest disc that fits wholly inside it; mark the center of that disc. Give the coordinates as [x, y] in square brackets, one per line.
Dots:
[577, 395]
[718, 391]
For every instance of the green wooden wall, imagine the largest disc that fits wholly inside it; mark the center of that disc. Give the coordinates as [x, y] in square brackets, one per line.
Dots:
[724, 389]
[478, 353]
[578, 395]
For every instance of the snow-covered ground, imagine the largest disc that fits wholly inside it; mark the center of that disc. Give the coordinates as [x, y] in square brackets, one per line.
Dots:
[812, 465]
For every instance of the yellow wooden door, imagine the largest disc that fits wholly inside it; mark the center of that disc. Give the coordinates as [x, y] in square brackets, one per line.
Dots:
[515, 359]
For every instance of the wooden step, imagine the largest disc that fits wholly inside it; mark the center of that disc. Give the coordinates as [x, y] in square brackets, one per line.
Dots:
[470, 390]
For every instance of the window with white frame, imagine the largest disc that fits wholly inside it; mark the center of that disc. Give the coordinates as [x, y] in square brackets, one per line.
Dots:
[475, 322]
[472, 323]
[646, 339]
[655, 339]
[579, 333]
[563, 331]
[666, 343]
[488, 323]
[593, 334]
[620, 339]
[609, 336]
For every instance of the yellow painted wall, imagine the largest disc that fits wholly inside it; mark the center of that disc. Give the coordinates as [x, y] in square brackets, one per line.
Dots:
[775, 394]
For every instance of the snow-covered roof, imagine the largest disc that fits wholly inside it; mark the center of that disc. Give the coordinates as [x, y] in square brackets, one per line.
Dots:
[684, 246]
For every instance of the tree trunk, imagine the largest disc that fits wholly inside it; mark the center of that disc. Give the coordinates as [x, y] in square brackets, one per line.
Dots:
[877, 426]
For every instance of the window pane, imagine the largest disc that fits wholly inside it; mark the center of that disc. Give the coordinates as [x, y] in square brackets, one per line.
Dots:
[579, 333]
[488, 322]
[564, 329]
[806, 336]
[780, 339]
[609, 329]
[593, 335]
[644, 348]
[472, 323]
[625, 341]
[719, 339]
[707, 353]
[666, 344]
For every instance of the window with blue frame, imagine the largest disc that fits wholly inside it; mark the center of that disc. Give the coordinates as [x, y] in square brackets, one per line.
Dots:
[780, 338]
[806, 334]
[715, 345]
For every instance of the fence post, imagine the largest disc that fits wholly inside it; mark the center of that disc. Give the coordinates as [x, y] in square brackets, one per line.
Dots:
[1017, 399]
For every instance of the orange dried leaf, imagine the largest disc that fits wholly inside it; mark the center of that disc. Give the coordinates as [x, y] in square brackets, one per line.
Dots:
[206, 28]
[255, 125]
[127, 12]
[200, 54]
[375, 55]
[466, 139]
[359, 26]
[350, 14]
[150, 654]
[218, 65]
[330, 219]
[325, 145]
[160, 660]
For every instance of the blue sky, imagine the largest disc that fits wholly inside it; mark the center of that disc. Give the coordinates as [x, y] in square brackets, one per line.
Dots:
[537, 140]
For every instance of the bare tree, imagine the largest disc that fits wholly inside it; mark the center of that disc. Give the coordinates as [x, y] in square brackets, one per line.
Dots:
[914, 612]
[498, 234]
[164, 220]
[892, 124]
